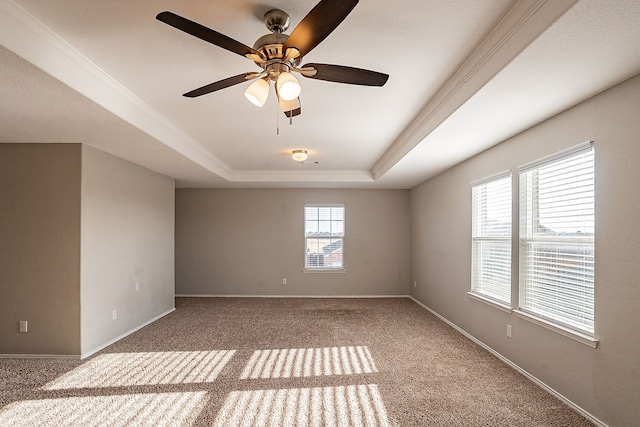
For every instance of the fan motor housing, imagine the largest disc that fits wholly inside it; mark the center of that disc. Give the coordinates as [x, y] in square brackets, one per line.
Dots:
[270, 45]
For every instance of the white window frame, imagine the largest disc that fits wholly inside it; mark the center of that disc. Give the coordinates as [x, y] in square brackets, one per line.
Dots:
[540, 288]
[491, 241]
[334, 235]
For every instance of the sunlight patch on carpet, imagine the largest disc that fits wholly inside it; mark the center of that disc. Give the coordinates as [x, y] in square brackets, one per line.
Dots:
[156, 409]
[129, 369]
[348, 406]
[308, 362]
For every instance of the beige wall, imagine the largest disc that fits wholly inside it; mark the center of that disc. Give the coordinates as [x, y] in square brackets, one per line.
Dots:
[127, 238]
[603, 381]
[79, 228]
[245, 241]
[40, 248]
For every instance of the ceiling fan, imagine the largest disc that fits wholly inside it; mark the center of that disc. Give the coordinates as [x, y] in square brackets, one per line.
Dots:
[278, 54]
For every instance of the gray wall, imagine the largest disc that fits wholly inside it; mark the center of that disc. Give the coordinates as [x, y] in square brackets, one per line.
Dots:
[40, 248]
[79, 228]
[127, 238]
[604, 381]
[245, 241]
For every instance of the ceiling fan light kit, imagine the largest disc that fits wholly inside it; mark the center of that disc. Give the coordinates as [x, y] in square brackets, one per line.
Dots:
[278, 55]
[258, 92]
[288, 86]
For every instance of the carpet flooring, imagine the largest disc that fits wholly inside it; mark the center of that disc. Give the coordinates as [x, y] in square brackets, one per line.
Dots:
[281, 362]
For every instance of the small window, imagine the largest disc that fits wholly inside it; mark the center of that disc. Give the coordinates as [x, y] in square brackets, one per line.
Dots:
[491, 239]
[324, 237]
[557, 232]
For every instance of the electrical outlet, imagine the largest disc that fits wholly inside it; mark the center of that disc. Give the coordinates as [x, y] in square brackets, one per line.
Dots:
[23, 326]
[137, 286]
[114, 314]
[284, 281]
[415, 284]
[509, 331]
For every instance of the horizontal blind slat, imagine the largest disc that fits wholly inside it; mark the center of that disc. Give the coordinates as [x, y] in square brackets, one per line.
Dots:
[557, 225]
[491, 238]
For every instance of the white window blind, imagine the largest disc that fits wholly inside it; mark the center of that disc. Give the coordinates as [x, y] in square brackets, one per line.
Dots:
[491, 239]
[324, 237]
[557, 231]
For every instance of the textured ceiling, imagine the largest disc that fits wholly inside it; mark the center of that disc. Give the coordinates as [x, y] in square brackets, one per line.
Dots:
[464, 76]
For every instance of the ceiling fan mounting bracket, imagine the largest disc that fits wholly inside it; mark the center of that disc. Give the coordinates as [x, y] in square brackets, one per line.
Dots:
[277, 21]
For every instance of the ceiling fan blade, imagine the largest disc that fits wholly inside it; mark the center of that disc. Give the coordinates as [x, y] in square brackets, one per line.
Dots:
[348, 75]
[221, 84]
[290, 108]
[206, 34]
[318, 24]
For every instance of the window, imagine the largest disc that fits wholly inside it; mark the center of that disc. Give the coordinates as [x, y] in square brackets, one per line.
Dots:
[324, 237]
[491, 239]
[557, 211]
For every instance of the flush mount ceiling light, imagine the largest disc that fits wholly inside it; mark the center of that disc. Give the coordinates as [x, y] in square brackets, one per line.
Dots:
[279, 55]
[299, 155]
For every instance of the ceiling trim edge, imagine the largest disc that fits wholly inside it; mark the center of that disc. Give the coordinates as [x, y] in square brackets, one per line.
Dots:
[27, 37]
[298, 176]
[520, 26]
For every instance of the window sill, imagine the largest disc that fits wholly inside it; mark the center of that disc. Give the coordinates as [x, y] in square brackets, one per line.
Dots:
[324, 270]
[491, 302]
[582, 338]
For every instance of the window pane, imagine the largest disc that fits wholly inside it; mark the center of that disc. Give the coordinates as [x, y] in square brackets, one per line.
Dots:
[324, 253]
[558, 282]
[557, 227]
[312, 228]
[491, 236]
[492, 269]
[324, 231]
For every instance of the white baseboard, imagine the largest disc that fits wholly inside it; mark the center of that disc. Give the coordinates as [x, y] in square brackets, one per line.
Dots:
[89, 353]
[529, 376]
[288, 296]
[118, 338]
[39, 356]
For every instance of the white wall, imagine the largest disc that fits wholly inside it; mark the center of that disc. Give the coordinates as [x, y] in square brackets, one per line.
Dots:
[127, 238]
[603, 381]
[245, 241]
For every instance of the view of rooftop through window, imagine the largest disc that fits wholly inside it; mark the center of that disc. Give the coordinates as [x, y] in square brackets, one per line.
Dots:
[324, 233]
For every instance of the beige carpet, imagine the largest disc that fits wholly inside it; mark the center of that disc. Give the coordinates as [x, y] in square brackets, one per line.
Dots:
[281, 362]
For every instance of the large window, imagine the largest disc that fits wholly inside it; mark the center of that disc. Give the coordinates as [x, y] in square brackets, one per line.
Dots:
[491, 239]
[324, 237]
[557, 201]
